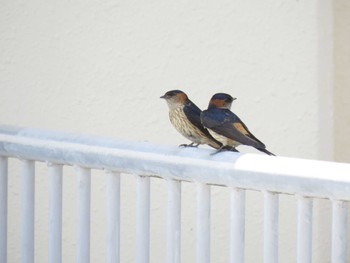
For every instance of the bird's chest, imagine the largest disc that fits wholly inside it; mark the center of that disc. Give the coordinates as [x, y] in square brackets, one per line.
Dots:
[181, 123]
[179, 120]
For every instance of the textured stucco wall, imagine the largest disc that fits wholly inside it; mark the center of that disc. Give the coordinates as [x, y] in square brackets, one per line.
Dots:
[99, 67]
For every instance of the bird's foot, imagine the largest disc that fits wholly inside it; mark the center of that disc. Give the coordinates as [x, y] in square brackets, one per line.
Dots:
[222, 148]
[225, 148]
[189, 145]
[231, 149]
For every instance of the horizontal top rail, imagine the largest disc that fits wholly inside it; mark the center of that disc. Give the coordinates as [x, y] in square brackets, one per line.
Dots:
[249, 171]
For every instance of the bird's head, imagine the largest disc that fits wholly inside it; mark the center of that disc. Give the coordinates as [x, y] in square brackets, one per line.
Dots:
[221, 100]
[175, 98]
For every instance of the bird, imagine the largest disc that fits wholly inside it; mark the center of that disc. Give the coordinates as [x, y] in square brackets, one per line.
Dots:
[185, 117]
[226, 127]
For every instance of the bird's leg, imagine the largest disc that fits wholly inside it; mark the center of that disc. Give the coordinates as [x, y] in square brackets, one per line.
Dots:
[222, 148]
[189, 145]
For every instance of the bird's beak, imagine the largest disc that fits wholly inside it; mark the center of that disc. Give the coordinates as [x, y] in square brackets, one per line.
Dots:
[234, 98]
[162, 97]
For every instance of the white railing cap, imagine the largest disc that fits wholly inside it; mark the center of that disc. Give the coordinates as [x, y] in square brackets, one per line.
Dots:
[249, 171]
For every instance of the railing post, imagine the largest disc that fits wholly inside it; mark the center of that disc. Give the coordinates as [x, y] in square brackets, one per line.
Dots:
[304, 243]
[174, 222]
[142, 219]
[27, 211]
[237, 218]
[270, 227]
[3, 208]
[339, 231]
[83, 214]
[113, 217]
[55, 213]
[203, 224]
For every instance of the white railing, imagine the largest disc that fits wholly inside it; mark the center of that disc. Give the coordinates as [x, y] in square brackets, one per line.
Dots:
[271, 175]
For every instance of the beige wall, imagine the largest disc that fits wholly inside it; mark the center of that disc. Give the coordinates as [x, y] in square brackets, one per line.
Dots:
[342, 80]
[99, 67]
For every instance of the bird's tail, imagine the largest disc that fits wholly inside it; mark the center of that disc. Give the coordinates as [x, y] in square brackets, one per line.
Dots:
[266, 151]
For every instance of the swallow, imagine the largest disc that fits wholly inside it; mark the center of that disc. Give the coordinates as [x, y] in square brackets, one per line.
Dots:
[226, 127]
[184, 115]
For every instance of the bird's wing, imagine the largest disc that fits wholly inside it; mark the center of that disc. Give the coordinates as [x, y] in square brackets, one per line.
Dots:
[228, 124]
[244, 129]
[192, 113]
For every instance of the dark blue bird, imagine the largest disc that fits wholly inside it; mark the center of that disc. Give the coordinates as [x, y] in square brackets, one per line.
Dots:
[185, 117]
[226, 127]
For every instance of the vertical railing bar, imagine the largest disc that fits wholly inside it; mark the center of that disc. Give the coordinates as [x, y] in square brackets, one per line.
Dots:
[270, 227]
[142, 219]
[174, 222]
[83, 214]
[3, 208]
[113, 217]
[339, 231]
[27, 211]
[203, 224]
[304, 239]
[237, 228]
[55, 213]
